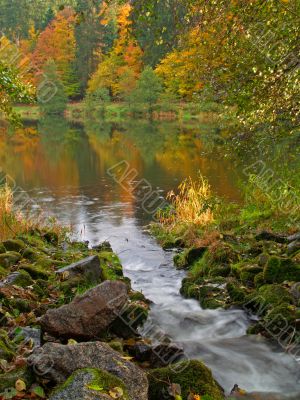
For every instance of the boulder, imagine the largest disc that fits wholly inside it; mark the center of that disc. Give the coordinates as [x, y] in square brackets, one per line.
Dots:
[89, 384]
[9, 259]
[191, 376]
[105, 246]
[18, 278]
[56, 362]
[14, 245]
[88, 268]
[89, 314]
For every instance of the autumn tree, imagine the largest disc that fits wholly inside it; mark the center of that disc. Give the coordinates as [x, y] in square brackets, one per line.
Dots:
[123, 64]
[57, 42]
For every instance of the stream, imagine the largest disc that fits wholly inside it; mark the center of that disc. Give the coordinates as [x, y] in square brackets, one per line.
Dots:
[67, 178]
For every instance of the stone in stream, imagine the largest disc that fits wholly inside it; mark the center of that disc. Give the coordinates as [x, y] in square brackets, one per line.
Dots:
[88, 268]
[56, 363]
[89, 314]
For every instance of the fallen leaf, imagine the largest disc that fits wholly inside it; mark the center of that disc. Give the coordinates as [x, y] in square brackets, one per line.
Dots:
[20, 385]
[38, 391]
[116, 393]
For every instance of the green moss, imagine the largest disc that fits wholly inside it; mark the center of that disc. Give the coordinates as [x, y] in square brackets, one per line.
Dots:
[9, 259]
[211, 297]
[2, 248]
[280, 317]
[117, 346]
[259, 280]
[7, 351]
[111, 266]
[31, 254]
[247, 274]
[23, 279]
[100, 381]
[14, 245]
[278, 270]
[267, 297]
[236, 294]
[186, 258]
[36, 271]
[192, 376]
[137, 296]
[51, 237]
[3, 272]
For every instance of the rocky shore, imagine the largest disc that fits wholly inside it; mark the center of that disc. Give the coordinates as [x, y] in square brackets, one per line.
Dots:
[69, 329]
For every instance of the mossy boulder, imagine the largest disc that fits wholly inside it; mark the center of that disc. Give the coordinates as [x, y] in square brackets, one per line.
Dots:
[36, 271]
[259, 280]
[248, 273]
[267, 297]
[14, 245]
[9, 379]
[236, 293]
[111, 266]
[192, 376]
[31, 254]
[184, 259]
[2, 248]
[213, 295]
[23, 279]
[90, 384]
[278, 270]
[9, 259]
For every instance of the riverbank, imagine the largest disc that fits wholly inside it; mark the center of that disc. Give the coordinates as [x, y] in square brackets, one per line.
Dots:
[76, 112]
[244, 256]
[69, 326]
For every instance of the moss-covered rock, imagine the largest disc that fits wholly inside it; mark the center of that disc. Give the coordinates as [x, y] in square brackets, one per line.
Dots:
[278, 270]
[9, 259]
[30, 254]
[111, 266]
[236, 293]
[267, 297]
[2, 248]
[23, 279]
[248, 273]
[14, 245]
[89, 383]
[192, 376]
[259, 280]
[184, 259]
[36, 271]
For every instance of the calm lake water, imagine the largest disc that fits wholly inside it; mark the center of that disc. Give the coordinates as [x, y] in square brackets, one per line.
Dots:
[64, 168]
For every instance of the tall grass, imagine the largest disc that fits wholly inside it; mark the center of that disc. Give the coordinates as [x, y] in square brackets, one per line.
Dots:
[193, 204]
[14, 222]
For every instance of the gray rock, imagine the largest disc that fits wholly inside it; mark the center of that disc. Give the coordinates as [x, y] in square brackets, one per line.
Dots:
[89, 268]
[30, 334]
[293, 247]
[56, 362]
[294, 237]
[89, 314]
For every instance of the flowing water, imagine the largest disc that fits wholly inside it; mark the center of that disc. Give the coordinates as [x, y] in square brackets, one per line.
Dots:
[64, 168]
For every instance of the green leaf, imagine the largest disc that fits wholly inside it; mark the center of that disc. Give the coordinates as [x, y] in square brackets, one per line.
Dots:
[94, 386]
[39, 391]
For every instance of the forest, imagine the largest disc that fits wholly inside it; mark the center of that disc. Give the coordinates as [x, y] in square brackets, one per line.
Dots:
[242, 55]
[149, 199]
